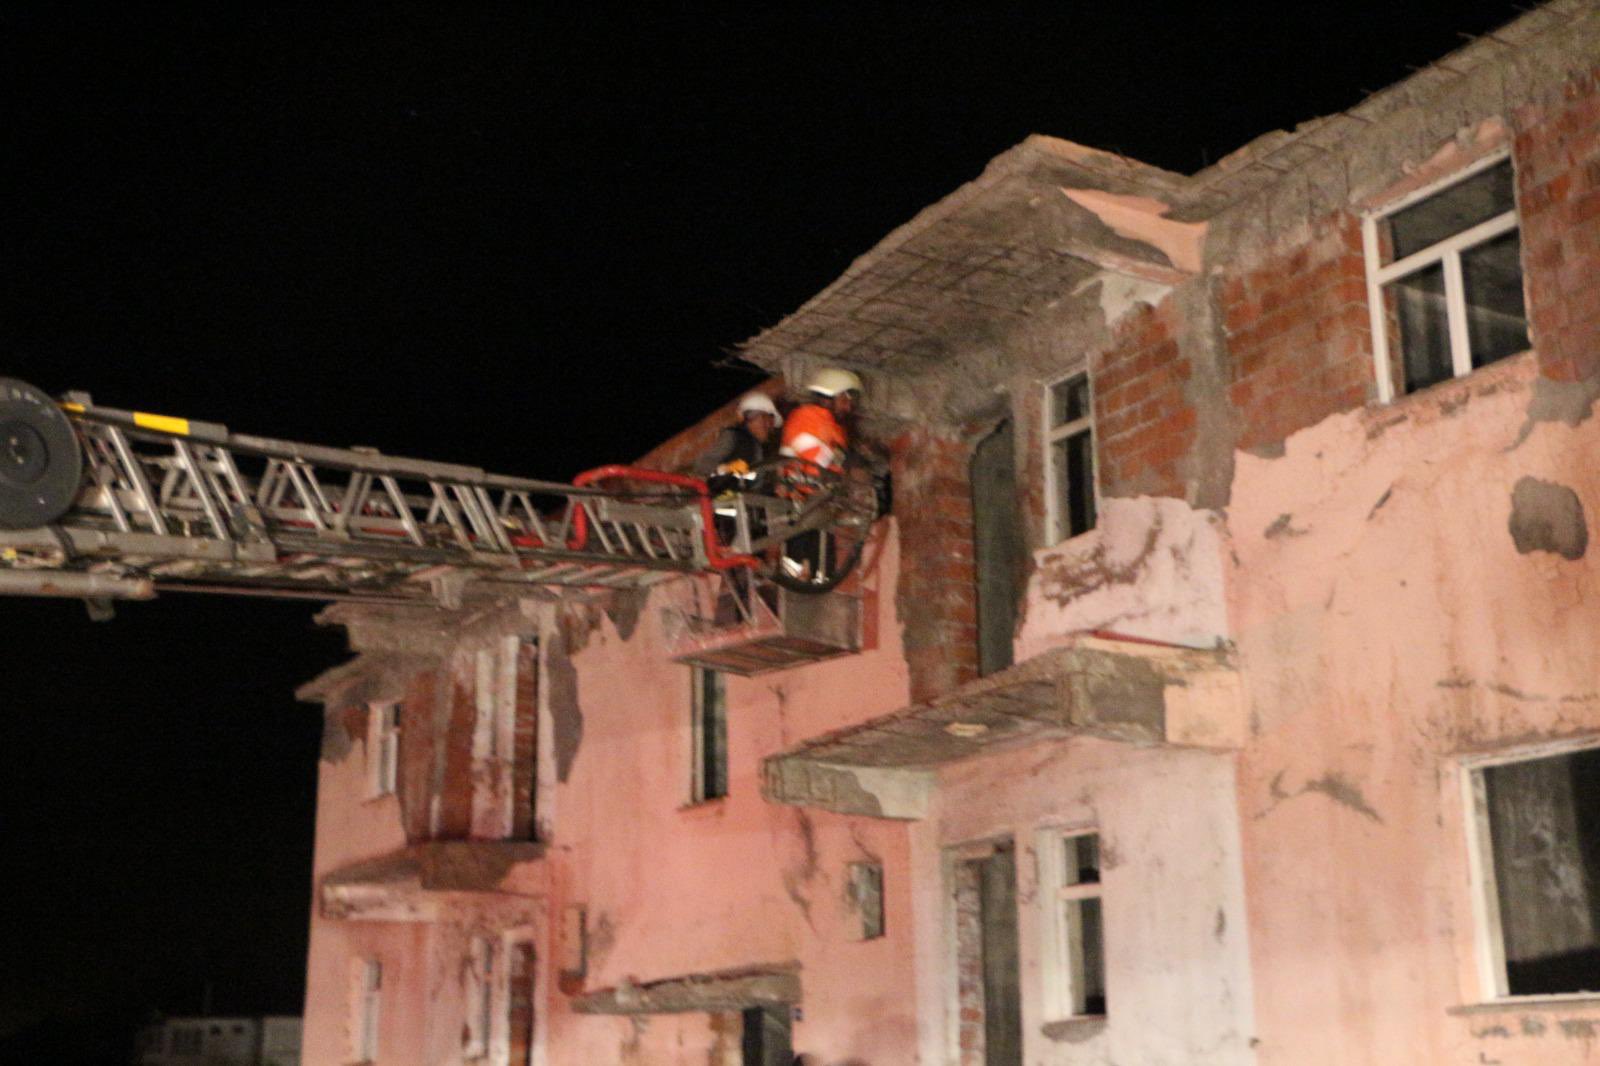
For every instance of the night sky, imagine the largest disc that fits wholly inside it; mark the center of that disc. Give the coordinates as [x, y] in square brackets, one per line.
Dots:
[512, 239]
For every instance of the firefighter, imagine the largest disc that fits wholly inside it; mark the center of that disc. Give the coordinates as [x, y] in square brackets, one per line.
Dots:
[816, 434]
[816, 431]
[743, 446]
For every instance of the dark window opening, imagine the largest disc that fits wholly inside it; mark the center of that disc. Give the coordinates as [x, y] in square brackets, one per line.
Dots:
[1543, 820]
[767, 1039]
[989, 975]
[998, 548]
[710, 735]
[1071, 458]
[865, 889]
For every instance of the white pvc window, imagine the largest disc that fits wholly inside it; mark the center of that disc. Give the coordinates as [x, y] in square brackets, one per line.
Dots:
[1444, 279]
[1069, 456]
[1073, 924]
[479, 999]
[1534, 825]
[383, 748]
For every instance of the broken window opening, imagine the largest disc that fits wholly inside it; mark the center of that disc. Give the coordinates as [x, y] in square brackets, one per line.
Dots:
[1070, 460]
[479, 999]
[766, 1037]
[503, 740]
[864, 893]
[383, 748]
[1444, 278]
[1072, 921]
[988, 962]
[1537, 833]
[998, 548]
[710, 735]
[519, 1002]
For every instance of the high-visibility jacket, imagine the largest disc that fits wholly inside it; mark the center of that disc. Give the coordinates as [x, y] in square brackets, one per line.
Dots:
[813, 434]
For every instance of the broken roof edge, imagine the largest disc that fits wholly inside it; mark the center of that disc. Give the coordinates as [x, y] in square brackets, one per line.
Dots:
[1122, 173]
[1232, 179]
[1515, 36]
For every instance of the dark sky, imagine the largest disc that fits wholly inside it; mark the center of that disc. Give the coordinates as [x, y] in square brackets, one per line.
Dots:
[483, 234]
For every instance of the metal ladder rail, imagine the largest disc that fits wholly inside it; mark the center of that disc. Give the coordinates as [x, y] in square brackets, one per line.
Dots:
[156, 490]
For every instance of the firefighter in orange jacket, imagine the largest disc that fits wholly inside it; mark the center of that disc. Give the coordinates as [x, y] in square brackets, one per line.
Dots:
[815, 432]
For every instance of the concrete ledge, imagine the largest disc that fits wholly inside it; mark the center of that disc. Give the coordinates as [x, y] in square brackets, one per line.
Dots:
[1099, 685]
[421, 882]
[727, 990]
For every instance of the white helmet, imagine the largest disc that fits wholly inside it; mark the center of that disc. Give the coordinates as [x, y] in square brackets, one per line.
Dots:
[831, 381]
[760, 403]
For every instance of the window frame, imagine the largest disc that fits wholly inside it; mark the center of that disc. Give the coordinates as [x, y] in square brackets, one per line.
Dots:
[366, 1009]
[383, 747]
[698, 792]
[1057, 523]
[864, 886]
[478, 1028]
[1447, 253]
[1058, 971]
[1488, 933]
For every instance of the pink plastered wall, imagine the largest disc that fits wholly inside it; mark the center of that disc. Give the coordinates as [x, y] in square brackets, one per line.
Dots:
[673, 889]
[1390, 627]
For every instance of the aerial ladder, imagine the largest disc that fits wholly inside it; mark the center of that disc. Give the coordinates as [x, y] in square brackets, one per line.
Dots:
[103, 504]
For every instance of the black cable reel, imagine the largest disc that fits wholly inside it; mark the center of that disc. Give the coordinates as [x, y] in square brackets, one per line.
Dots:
[41, 462]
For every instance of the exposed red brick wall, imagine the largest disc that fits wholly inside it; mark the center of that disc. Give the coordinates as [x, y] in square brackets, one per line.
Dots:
[1143, 421]
[969, 963]
[417, 746]
[1299, 334]
[937, 595]
[520, 1009]
[455, 800]
[1557, 160]
[525, 729]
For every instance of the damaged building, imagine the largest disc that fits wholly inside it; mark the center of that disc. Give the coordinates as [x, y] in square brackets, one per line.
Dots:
[1223, 687]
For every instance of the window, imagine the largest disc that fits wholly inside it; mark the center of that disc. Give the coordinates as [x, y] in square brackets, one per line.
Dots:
[864, 892]
[187, 1041]
[710, 736]
[383, 747]
[480, 998]
[1444, 280]
[494, 740]
[1536, 848]
[366, 993]
[1069, 439]
[987, 1011]
[1074, 956]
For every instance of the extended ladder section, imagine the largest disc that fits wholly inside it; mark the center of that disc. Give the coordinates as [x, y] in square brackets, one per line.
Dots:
[162, 503]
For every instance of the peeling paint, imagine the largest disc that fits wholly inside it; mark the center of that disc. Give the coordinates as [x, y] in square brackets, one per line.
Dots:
[1335, 786]
[1141, 218]
[796, 876]
[1548, 517]
[1283, 526]
[1567, 402]
[566, 716]
[340, 726]
[624, 608]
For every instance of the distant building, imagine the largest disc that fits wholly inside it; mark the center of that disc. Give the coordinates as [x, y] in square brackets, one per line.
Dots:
[1222, 691]
[273, 1040]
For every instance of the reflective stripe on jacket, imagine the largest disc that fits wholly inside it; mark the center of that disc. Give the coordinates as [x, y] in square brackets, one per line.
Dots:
[813, 434]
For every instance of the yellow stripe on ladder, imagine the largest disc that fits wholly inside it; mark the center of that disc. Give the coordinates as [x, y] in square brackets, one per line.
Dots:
[162, 423]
